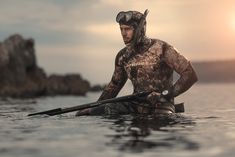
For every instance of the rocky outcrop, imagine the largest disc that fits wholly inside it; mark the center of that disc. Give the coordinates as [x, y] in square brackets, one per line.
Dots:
[97, 88]
[68, 84]
[20, 75]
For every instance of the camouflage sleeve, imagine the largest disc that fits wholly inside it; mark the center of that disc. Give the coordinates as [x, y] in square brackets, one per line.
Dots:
[118, 80]
[183, 67]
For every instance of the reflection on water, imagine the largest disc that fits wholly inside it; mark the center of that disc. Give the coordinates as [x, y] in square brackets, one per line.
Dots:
[159, 132]
[206, 129]
[16, 105]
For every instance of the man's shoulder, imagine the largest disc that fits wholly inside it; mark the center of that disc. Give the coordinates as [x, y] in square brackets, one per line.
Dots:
[157, 46]
[121, 55]
[122, 51]
[159, 42]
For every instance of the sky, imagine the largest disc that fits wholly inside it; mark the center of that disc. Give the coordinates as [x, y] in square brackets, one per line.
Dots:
[74, 36]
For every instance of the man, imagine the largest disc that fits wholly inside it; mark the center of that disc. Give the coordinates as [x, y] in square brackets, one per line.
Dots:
[149, 64]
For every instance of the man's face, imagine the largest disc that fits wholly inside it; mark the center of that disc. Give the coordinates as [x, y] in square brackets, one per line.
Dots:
[127, 33]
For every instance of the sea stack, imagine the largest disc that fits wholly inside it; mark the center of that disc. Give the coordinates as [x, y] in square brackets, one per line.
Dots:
[21, 77]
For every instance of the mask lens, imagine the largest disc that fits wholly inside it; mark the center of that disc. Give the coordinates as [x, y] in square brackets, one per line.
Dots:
[124, 16]
[120, 16]
[128, 16]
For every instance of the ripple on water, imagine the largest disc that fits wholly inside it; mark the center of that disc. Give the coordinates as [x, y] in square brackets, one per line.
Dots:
[206, 129]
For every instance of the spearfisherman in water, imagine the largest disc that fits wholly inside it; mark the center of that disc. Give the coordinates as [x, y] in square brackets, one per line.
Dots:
[149, 64]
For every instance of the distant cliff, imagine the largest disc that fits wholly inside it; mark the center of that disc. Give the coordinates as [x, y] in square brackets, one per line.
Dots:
[215, 71]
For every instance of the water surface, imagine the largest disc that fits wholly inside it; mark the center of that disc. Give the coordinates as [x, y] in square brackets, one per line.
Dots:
[206, 129]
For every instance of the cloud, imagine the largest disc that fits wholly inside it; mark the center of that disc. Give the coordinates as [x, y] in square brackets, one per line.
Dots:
[86, 31]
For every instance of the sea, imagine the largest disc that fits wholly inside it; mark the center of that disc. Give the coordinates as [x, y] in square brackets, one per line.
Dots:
[206, 129]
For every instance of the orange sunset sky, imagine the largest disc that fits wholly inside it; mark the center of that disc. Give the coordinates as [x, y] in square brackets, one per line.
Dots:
[75, 36]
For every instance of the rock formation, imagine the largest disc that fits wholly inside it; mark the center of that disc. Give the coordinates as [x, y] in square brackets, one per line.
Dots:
[20, 75]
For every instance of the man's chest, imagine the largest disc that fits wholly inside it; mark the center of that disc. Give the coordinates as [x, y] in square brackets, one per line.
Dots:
[143, 64]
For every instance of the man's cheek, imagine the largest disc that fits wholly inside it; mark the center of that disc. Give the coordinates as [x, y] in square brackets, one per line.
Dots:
[129, 35]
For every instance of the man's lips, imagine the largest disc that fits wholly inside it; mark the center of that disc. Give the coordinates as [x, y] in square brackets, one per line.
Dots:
[126, 39]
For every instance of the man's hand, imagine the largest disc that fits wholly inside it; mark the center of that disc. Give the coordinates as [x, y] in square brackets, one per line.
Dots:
[153, 98]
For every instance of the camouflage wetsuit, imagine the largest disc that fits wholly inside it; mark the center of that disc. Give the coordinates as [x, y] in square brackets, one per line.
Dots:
[149, 69]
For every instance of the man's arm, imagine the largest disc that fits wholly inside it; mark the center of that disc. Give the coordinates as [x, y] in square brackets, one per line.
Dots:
[118, 80]
[183, 67]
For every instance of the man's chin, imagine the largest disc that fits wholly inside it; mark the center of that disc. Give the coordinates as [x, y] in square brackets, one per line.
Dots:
[126, 42]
